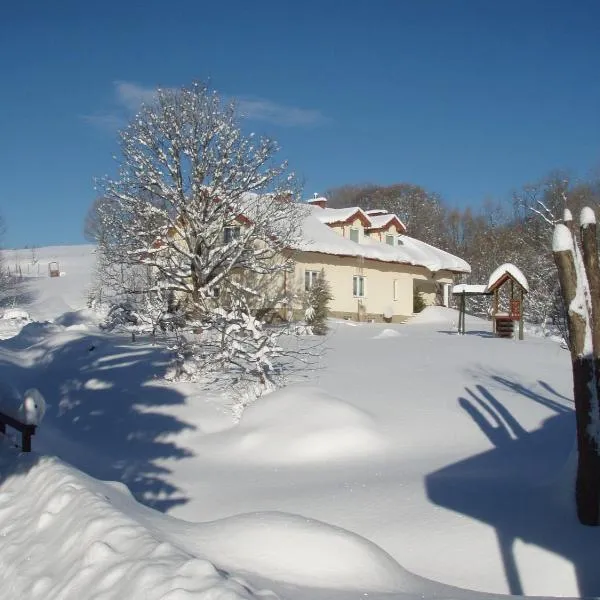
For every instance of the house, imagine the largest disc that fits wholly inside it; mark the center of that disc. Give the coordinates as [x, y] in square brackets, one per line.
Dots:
[374, 269]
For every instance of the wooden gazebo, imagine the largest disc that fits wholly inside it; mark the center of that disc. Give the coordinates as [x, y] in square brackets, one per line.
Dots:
[503, 322]
[511, 276]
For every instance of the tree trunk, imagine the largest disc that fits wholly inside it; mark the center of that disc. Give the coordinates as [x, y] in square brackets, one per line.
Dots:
[587, 486]
[585, 385]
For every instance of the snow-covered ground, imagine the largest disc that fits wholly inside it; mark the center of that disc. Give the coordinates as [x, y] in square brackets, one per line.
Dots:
[408, 460]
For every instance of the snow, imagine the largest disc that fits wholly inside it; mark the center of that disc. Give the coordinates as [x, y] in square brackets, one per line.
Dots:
[318, 555]
[408, 460]
[337, 215]
[508, 268]
[45, 297]
[387, 333]
[567, 215]
[587, 217]
[562, 239]
[27, 408]
[299, 425]
[319, 237]
[63, 538]
[378, 221]
[18, 314]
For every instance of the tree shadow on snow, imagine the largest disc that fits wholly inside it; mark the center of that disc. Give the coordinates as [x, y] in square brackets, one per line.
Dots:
[104, 418]
[521, 487]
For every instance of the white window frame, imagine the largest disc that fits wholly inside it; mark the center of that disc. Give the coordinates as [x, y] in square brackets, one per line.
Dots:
[359, 286]
[396, 290]
[232, 232]
[352, 229]
[388, 237]
[310, 278]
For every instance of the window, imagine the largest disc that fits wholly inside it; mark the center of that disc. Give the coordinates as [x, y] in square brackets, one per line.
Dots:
[310, 278]
[396, 289]
[354, 233]
[230, 233]
[390, 239]
[358, 286]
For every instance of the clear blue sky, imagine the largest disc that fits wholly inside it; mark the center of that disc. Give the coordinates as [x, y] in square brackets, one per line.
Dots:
[469, 98]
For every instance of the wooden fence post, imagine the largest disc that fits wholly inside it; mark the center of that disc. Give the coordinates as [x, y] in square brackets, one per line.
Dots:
[584, 359]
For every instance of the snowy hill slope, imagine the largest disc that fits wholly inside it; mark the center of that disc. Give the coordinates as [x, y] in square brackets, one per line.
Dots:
[46, 297]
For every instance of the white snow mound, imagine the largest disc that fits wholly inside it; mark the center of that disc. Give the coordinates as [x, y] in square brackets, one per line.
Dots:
[301, 551]
[434, 315]
[62, 540]
[387, 333]
[28, 408]
[301, 425]
[82, 319]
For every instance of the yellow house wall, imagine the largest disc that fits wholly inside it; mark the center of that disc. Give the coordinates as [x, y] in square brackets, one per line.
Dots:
[380, 276]
[344, 230]
[428, 288]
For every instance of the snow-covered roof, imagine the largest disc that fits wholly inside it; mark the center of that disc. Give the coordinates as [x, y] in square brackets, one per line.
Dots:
[318, 237]
[339, 215]
[382, 220]
[507, 269]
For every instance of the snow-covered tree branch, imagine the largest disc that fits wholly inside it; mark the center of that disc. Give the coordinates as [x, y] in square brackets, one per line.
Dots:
[198, 222]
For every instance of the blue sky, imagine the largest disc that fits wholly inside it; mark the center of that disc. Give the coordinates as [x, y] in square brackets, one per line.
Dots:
[469, 98]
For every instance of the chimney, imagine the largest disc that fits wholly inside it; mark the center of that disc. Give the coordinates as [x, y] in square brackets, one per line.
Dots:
[317, 200]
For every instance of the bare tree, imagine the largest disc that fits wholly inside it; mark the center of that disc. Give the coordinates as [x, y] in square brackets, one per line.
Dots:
[579, 274]
[198, 223]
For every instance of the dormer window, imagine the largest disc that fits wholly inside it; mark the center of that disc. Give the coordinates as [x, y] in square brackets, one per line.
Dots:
[354, 234]
[390, 239]
[231, 233]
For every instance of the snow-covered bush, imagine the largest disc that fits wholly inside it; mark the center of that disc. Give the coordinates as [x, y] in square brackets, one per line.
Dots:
[317, 305]
[418, 302]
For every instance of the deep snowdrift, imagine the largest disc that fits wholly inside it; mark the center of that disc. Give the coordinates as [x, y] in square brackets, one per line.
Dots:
[61, 539]
[299, 425]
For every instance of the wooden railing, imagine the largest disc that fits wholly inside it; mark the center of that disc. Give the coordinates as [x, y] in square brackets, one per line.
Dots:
[27, 430]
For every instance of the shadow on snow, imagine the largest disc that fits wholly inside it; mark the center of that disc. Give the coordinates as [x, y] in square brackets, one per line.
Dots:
[521, 487]
[102, 415]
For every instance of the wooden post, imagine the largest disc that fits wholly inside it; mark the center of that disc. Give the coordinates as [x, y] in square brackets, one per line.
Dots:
[26, 439]
[585, 369]
[521, 317]
[494, 310]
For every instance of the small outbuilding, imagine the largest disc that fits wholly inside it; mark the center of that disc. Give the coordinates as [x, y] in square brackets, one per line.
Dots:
[508, 286]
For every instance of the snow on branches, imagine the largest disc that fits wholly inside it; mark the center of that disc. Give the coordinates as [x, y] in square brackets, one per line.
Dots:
[198, 220]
